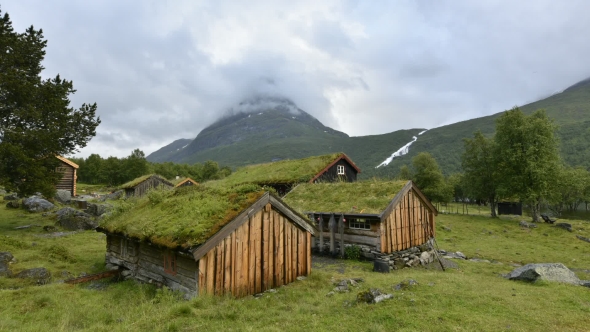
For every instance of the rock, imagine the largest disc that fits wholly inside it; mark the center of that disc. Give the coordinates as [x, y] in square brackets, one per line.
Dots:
[26, 226]
[585, 283]
[63, 196]
[11, 197]
[73, 219]
[405, 284]
[37, 204]
[2, 192]
[5, 259]
[525, 224]
[114, 195]
[330, 294]
[564, 225]
[40, 274]
[478, 260]
[380, 265]
[460, 255]
[301, 278]
[425, 258]
[446, 228]
[583, 238]
[372, 296]
[544, 271]
[13, 205]
[97, 209]
[49, 228]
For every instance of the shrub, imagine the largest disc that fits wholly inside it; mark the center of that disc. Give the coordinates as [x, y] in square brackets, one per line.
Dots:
[352, 252]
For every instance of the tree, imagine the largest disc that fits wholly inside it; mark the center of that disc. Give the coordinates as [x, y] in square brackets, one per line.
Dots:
[479, 164]
[36, 120]
[528, 159]
[429, 178]
[570, 189]
[135, 165]
[404, 173]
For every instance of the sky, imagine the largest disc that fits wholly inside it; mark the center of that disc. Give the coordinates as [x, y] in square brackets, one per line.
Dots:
[164, 70]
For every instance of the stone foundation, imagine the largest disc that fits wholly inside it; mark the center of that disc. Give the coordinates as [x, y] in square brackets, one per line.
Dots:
[419, 255]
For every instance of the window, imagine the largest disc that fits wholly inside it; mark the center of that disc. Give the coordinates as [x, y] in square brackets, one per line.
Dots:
[170, 263]
[359, 224]
[340, 169]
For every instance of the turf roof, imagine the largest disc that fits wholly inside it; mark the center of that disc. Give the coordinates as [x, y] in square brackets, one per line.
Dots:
[184, 217]
[139, 180]
[283, 171]
[371, 197]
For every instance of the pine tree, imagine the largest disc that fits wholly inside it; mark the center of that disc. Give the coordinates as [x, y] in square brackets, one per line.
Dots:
[36, 120]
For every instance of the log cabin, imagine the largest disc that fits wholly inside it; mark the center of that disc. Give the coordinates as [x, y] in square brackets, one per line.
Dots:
[217, 241]
[186, 183]
[384, 216]
[69, 176]
[140, 186]
[283, 175]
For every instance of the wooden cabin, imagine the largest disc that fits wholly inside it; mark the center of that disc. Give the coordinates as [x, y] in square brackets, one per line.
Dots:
[215, 241]
[139, 186]
[283, 175]
[186, 183]
[514, 208]
[69, 176]
[384, 216]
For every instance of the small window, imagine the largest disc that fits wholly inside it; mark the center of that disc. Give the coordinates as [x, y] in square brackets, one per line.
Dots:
[340, 169]
[170, 263]
[359, 224]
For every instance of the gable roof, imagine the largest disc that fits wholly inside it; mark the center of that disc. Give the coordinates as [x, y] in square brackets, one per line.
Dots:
[189, 218]
[67, 161]
[143, 178]
[185, 181]
[361, 197]
[285, 171]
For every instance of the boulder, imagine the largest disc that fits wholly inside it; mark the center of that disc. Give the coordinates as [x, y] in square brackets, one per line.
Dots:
[544, 271]
[98, 209]
[372, 296]
[73, 219]
[564, 225]
[5, 259]
[11, 197]
[114, 195]
[13, 204]
[585, 283]
[525, 224]
[63, 196]
[40, 274]
[37, 204]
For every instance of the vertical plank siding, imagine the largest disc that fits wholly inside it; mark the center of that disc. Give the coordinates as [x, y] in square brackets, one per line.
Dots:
[410, 224]
[265, 252]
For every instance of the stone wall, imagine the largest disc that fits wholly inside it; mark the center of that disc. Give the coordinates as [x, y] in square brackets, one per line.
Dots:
[419, 255]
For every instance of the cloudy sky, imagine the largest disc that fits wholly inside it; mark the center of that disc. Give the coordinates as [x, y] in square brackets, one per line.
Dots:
[163, 70]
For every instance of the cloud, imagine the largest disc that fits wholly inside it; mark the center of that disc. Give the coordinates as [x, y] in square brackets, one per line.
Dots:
[163, 70]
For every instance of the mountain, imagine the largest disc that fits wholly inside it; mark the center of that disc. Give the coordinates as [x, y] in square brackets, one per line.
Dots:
[265, 129]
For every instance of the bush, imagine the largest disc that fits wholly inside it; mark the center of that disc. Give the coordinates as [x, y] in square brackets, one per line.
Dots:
[352, 252]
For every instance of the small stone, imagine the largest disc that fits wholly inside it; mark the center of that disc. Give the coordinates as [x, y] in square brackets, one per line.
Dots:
[460, 255]
[566, 226]
[301, 278]
[330, 294]
[446, 228]
[41, 275]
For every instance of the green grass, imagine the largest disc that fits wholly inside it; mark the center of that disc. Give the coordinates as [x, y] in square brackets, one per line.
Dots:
[284, 171]
[473, 298]
[186, 216]
[352, 197]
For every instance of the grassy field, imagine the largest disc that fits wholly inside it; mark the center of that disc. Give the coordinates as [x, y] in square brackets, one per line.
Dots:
[472, 298]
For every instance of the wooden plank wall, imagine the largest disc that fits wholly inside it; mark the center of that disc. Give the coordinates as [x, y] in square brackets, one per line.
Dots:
[410, 224]
[68, 179]
[267, 251]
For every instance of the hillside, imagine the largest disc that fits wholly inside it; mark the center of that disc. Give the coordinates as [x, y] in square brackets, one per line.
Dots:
[266, 129]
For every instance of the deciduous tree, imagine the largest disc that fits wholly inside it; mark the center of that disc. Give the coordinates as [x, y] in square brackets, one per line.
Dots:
[528, 158]
[479, 164]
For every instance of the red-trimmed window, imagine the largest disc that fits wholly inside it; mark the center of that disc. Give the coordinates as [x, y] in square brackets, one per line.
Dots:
[170, 263]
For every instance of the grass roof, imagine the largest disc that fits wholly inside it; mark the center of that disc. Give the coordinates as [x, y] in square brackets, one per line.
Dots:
[371, 197]
[140, 179]
[183, 217]
[284, 171]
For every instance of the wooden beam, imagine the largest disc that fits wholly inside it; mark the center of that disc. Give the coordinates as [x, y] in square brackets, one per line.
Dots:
[332, 227]
[341, 232]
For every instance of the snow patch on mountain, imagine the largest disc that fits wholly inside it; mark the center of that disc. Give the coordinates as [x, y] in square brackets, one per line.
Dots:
[401, 151]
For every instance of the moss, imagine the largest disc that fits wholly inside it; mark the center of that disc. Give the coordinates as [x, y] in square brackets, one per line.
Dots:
[187, 217]
[140, 179]
[344, 197]
[284, 171]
